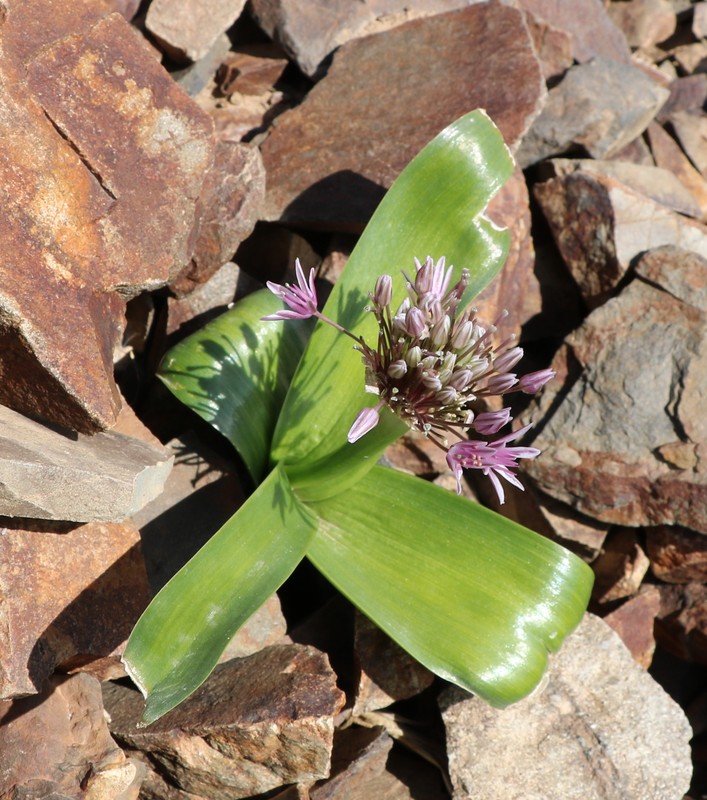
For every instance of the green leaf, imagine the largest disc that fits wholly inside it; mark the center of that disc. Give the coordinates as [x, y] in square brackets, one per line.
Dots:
[434, 208]
[182, 633]
[476, 598]
[235, 371]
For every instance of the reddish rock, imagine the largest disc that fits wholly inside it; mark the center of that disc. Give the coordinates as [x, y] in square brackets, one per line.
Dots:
[620, 567]
[68, 597]
[600, 106]
[187, 30]
[644, 22]
[669, 155]
[634, 622]
[553, 46]
[621, 403]
[58, 745]
[232, 195]
[251, 72]
[592, 31]
[256, 724]
[686, 94]
[387, 672]
[681, 626]
[91, 163]
[329, 160]
[677, 555]
[691, 130]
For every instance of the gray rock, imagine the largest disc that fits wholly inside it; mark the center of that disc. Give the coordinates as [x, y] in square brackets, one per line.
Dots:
[45, 474]
[644, 22]
[600, 729]
[600, 105]
[626, 441]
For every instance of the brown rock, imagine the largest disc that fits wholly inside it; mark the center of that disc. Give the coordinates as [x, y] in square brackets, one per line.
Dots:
[592, 31]
[68, 597]
[686, 94]
[256, 724]
[677, 555]
[699, 20]
[634, 621]
[621, 403]
[668, 154]
[620, 567]
[329, 160]
[58, 745]
[582, 736]
[644, 22]
[387, 672]
[310, 30]
[254, 72]
[110, 144]
[691, 130]
[46, 474]
[232, 195]
[681, 625]
[553, 46]
[600, 226]
[689, 57]
[599, 106]
[186, 31]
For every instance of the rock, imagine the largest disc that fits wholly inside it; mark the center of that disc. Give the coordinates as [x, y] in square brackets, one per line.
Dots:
[387, 672]
[592, 31]
[197, 76]
[689, 57]
[186, 31]
[634, 621]
[99, 142]
[232, 195]
[620, 567]
[677, 555]
[601, 729]
[552, 45]
[699, 20]
[252, 72]
[57, 745]
[45, 474]
[681, 625]
[644, 22]
[600, 105]
[310, 30]
[667, 154]
[653, 182]
[256, 724]
[617, 402]
[361, 111]
[686, 94]
[600, 226]
[691, 130]
[69, 597]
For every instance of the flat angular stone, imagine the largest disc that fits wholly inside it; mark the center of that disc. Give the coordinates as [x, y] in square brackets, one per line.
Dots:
[634, 622]
[310, 30]
[644, 22]
[553, 46]
[364, 113]
[686, 94]
[681, 625]
[256, 724]
[601, 729]
[69, 596]
[699, 20]
[57, 745]
[669, 155]
[99, 142]
[592, 31]
[232, 195]
[691, 130]
[600, 225]
[187, 30]
[677, 555]
[45, 474]
[600, 105]
[622, 402]
[620, 567]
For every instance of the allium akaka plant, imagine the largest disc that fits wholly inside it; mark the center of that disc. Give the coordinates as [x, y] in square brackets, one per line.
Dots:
[478, 599]
[432, 364]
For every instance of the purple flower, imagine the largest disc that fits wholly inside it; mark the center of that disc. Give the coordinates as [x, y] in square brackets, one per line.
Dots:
[534, 381]
[490, 422]
[366, 420]
[302, 299]
[494, 459]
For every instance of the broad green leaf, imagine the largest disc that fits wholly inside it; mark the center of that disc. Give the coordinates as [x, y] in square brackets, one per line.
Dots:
[180, 636]
[476, 598]
[234, 372]
[434, 208]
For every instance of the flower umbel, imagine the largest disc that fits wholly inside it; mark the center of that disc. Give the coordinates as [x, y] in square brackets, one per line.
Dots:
[432, 365]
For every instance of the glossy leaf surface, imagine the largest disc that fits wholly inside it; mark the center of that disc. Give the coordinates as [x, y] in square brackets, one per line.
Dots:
[235, 371]
[181, 635]
[476, 598]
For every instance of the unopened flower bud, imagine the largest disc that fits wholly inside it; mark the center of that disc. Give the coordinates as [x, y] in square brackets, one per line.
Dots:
[413, 357]
[446, 396]
[397, 369]
[383, 291]
[508, 360]
[440, 332]
[415, 322]
[461, 379]
[423, 279]
[534, 381]
[461, 338]
[431, 381]
[500, 384]
[366, 420]
[489, 422]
